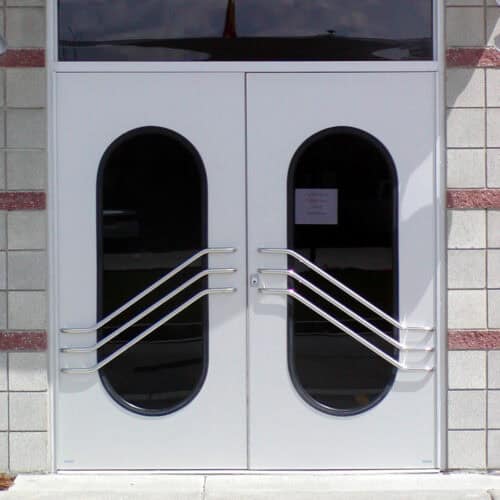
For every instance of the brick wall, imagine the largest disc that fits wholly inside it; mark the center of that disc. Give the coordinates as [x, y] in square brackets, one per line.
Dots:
[473, 171]
[23, 261]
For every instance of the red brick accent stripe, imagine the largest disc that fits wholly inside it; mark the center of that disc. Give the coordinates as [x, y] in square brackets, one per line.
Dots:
[18, 200]
[23, 58]
[457, 340]
[487, 57]
[474, 198]
[473, 339]
[23, 341]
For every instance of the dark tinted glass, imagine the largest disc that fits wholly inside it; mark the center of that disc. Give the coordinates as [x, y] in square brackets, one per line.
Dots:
[244, 30]
[152, 215]
[343, 217]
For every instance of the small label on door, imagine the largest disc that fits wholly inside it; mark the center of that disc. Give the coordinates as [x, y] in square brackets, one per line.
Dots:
[316, 206]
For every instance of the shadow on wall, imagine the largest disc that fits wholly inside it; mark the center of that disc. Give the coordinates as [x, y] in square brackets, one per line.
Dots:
[463, 81]
[466, 89]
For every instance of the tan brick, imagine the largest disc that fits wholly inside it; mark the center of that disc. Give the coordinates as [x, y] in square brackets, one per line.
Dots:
[493, 268]
[26, 87]
[467, 370]
[465, 26]
[4, 451]
[494, 370]
[466, 409]
[3, 371]
[3, 310]
[4, 412]
[25, 3]
[27, 270]
[3, 230]
[466, 168]
[465, 128]
[493, 308]
[26, 170]
[466, 269]
[493, 26]
[467, 309]
[464, 87]
[27, 371]
[3, 173]
[27, 310]
[494, 449]
[26, 230]
[466, 229]
[494, 409]
[494, 228]
[25, 27]
[28, 411]
[26, 128]
[464, 2]
[493, 87]
[3, 270]
[493, 168]
[2, 129]
[467, 449]
[493, 127]
[28, 451]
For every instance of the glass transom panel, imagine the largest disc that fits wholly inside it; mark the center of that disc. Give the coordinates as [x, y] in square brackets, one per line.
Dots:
[245, 30]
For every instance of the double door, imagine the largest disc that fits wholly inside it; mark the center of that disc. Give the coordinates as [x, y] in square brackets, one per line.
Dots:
[245, 271]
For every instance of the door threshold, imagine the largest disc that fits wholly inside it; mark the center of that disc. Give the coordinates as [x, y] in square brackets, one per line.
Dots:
[247, 472]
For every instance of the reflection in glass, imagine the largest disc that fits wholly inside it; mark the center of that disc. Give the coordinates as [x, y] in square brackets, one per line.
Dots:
[152, 215]
[245, 30]
[342, 204]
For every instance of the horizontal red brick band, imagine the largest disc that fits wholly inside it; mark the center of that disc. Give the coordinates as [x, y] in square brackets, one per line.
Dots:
[23, 341]
[23, 58]
[457, 340]
[487, 57]
[474, 198]
[473, 339]
[22, 201]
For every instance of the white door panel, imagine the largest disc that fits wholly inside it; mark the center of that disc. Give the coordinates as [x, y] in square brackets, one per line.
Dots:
[283, 111]
[93, 431]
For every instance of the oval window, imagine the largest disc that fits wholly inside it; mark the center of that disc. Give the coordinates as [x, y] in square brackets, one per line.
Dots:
[152, 215]
[342, 215]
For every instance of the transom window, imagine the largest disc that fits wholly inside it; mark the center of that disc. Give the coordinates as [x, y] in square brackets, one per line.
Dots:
[245, 30]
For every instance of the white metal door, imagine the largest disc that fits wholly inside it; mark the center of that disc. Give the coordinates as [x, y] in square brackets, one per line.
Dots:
[283, 112]
[207, 111]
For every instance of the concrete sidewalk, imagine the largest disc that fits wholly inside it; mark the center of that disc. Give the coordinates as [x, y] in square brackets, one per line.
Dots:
[320, 486]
